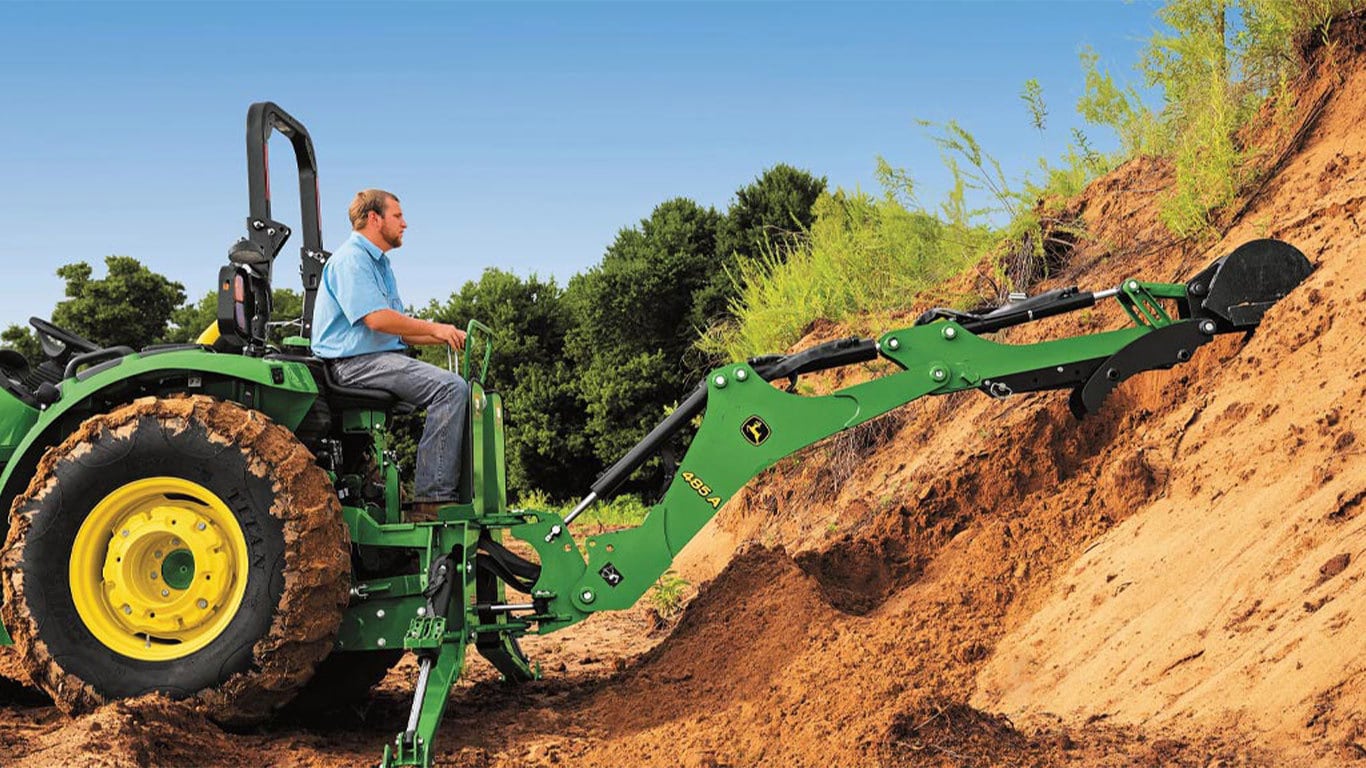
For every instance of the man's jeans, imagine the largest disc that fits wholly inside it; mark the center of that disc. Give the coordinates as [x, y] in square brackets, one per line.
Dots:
[445, 396]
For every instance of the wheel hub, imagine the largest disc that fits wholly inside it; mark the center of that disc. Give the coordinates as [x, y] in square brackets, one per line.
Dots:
[157, 568]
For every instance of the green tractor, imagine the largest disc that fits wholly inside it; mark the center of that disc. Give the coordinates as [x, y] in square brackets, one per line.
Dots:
[221, 521]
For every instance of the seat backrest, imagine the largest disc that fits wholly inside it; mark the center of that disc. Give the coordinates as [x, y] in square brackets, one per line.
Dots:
[243, 305]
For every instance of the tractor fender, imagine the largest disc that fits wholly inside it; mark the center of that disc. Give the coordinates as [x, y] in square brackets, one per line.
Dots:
[284, 390]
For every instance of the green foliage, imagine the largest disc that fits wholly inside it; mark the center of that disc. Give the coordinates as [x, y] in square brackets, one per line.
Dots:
[1269, 34]
[1032, 95]
[21, 339]
[1215, 63]
[546, 448]
[863, 254]
[775, 209]
[131, 305]
[768, 219]
[631, 338]
[666, 596]
[190, 320]
[1203, 109]
[624, 511]
[1106, 104]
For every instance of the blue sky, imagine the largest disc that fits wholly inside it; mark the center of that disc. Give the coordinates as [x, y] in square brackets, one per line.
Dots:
[519, 135]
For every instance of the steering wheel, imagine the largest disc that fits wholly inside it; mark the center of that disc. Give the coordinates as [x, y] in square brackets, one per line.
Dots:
[58, 342]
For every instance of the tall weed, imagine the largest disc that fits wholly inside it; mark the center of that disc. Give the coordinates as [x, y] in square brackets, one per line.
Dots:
[862, 254]
[1214, 65]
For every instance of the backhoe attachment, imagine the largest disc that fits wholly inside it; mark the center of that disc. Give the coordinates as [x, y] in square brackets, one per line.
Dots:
[751, 418]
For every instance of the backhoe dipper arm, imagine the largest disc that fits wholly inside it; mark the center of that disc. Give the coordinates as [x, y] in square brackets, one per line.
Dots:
[749, 424]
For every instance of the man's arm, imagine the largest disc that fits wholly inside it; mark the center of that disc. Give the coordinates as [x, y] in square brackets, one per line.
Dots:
[414, 330]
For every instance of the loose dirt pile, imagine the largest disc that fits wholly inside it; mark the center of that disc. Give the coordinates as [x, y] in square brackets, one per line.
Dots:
[1175, 581]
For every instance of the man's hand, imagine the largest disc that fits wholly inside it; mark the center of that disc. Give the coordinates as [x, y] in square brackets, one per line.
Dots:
[448, 335]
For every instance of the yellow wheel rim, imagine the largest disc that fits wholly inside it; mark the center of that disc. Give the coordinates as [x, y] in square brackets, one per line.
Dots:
[158, 568]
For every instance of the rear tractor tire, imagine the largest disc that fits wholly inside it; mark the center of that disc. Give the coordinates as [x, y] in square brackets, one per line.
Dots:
[184, 545]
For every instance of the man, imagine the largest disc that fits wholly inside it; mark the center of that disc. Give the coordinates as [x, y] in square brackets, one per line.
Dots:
[359, 326]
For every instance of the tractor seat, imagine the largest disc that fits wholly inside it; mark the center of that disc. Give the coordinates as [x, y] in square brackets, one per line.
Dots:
[14, 376]
[340, 396]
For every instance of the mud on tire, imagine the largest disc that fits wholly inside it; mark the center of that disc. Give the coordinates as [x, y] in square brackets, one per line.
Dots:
[152, 468]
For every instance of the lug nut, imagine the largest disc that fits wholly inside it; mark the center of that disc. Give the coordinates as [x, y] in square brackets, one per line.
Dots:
[201, 526]
[165, 593]
[202, 603]
[127, 608]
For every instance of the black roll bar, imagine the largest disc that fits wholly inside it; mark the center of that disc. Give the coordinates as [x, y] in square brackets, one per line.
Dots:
[265, 233]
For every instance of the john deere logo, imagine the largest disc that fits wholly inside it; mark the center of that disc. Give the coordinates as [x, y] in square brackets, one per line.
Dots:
[755, 430]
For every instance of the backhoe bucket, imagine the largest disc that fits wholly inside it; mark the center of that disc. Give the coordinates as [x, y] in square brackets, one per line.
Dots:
[1239, 288]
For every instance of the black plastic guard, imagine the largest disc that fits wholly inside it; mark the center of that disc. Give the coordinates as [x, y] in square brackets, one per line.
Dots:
[1163, 348]
[1236, 290]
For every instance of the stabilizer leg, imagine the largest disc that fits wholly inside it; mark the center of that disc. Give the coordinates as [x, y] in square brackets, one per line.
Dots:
[436, 675]
[441, 656]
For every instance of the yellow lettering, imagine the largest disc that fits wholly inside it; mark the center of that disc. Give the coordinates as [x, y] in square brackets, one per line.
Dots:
[703, 490]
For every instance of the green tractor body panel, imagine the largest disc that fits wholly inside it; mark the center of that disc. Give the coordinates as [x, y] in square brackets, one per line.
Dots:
[16, 422]
[283, 390]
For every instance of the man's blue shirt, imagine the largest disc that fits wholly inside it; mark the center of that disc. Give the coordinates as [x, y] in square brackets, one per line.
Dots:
[357, 280]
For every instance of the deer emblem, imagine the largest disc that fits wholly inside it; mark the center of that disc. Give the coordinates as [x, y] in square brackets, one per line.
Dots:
[755, 430]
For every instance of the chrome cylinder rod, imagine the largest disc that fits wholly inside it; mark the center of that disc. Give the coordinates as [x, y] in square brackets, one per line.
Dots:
[424, 670]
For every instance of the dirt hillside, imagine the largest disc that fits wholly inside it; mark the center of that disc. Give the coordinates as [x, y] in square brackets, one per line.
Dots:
[969, 582]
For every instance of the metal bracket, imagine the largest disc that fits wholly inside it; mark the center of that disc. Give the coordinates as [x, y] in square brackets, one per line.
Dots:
[425, 633]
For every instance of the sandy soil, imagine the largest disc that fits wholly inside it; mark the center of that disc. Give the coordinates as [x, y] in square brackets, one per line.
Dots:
[1175, 581]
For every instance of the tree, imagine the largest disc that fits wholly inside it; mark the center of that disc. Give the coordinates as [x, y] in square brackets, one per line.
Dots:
[545, 449]
[21, 339]
[772, 210]
[632, 337]
[189, 321]
[768, 217]
[131, 305]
